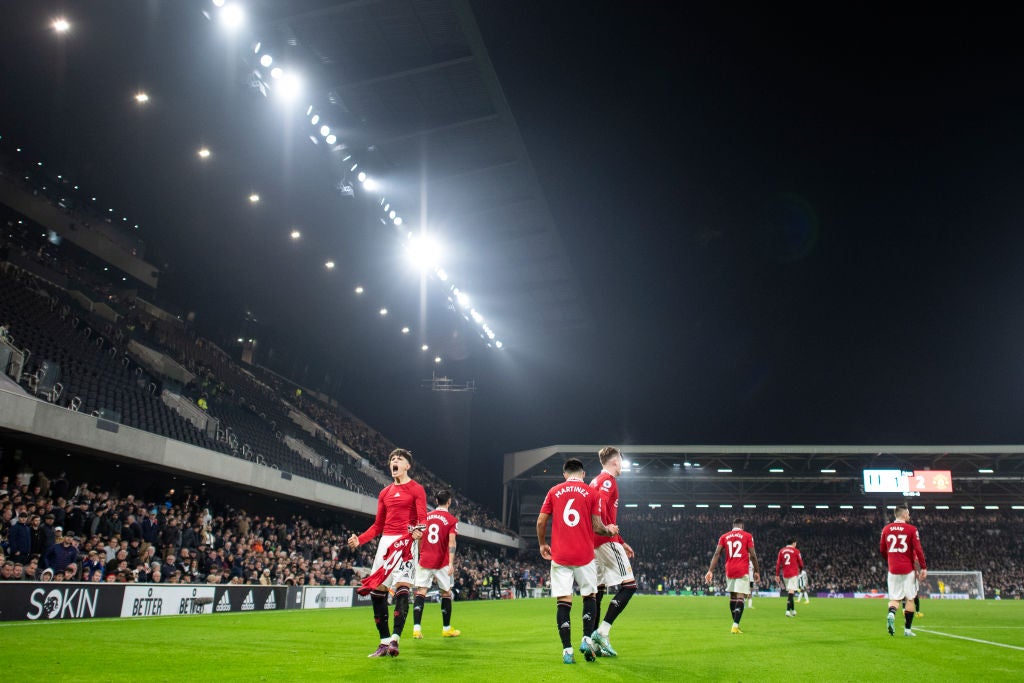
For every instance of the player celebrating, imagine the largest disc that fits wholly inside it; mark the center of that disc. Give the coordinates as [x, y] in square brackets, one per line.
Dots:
[739, 552]
[901, 544]
[401, 509]
[610, 554]
[575, 511]
[436, 564]
[788, 566]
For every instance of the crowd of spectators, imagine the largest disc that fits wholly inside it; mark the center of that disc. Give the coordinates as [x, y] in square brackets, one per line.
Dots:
[840, 548]
[56, 530]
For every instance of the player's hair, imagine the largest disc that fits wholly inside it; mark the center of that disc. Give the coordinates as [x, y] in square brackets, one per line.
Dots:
[443, 497]
[401, 452]
[900, 509]
[607, 453]
[572, 466]
[738, 522]
[791, 541]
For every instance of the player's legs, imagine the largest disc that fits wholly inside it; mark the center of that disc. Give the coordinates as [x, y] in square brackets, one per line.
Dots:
[561, 586]
[586, 578]
[614, 569]
[738, 589]
[791, 588]
[419, 599]
[901, 587]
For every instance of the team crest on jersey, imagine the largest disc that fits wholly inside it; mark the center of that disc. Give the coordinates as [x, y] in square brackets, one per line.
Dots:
[606, 484]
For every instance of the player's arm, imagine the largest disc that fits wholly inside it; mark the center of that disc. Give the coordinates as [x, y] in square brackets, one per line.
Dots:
[919, 555]
[714, 563]
[757, 565]
[451, 553]
[420, 500]
[882, 547]
[600, 529]
[542, 535]
[375, 529]
[778, 566]
[629, 550]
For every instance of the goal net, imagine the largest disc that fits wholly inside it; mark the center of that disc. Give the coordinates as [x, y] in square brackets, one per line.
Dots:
[967, 585]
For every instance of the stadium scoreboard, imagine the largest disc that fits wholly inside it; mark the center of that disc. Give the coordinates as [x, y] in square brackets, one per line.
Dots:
[909, 483]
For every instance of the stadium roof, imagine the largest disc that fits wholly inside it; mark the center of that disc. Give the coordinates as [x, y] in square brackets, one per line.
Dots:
[417, 79]
[667, 474]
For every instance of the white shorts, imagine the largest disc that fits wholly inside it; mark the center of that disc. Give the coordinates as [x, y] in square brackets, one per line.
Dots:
[902, 586]
[792, 584]
[562, 579]
[613, 568]
[740, 585]
[424, 577]
[403, 573]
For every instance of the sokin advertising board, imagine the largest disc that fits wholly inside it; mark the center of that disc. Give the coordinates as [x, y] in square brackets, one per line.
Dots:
[45, 601]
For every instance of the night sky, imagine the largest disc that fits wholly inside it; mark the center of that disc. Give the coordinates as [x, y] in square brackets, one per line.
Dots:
[787, 228]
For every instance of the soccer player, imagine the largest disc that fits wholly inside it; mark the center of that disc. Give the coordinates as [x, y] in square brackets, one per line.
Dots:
[788, 566]
[401, 510]
[901, 545]
[739, 553]
[610, 554]
[575, 512]
[753, 585]
[436, 564]
[802, 587]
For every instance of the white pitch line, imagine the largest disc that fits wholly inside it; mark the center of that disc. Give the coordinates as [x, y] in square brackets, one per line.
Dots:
[973, 640]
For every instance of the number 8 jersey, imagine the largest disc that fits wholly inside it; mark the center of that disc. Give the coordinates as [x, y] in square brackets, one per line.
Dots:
[434, 543]
[571, 505]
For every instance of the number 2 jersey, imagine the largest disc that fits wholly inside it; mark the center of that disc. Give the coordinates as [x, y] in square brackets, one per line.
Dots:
[737, 545]
[441, 525]
[901, 544]
[571, 505]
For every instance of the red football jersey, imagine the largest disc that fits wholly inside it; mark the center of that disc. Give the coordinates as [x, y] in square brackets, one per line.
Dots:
[737, 545]
[398, 506]
[901, 543]
[789, 562]
[441, 525]
[608, 489]
[571, 505]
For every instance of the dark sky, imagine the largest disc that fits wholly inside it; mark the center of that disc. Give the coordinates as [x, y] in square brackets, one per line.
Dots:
[788, 228]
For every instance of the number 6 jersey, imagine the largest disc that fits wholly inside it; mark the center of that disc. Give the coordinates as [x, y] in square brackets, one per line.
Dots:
[571, 505]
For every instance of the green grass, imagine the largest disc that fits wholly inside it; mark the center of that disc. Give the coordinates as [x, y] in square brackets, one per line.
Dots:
[658, 638]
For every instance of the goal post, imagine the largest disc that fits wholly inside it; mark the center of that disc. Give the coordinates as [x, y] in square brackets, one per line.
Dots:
[951, 585]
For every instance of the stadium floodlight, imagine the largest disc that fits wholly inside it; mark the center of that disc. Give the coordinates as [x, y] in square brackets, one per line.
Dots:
[986, 470]
[941, 507]
[371, 185]
[359, 289]
[776, 470]
[423, 251]
[828, 470]
[845, 507]
[654, 505]
[331, 139]
[461, 297]
[398, 220]
[702, 505]
[798, 506]
[424, 348]
[441, 275]
[725, 505]
[870, 507]
[917, 507]
[774, 507]
[966, 507]
[254, 198]
[392, 214]
[361, 177]
[61, 25]
[240, 340]
[724, 470]
[220, 3]
[477, 318]
[821, 507]
[232, 16]
[325, 131]
[329, 265]
[141, 97]
[437, 359]
[405, 330]
[499, 344]
[204, 153]
[631, 505]
[749, 506]
[266, 61]
[315, 120]
[276, 73]
[678, 505]
[295, 234]
[383, 312]
[1017, 507]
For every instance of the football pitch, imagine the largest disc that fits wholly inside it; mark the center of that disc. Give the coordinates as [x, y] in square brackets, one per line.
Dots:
[659, 638]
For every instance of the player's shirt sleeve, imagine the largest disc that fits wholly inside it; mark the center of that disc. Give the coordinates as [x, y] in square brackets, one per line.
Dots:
[545, 507]
[778, 562]
[378, 523]
[420, 500]
[919, 550]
